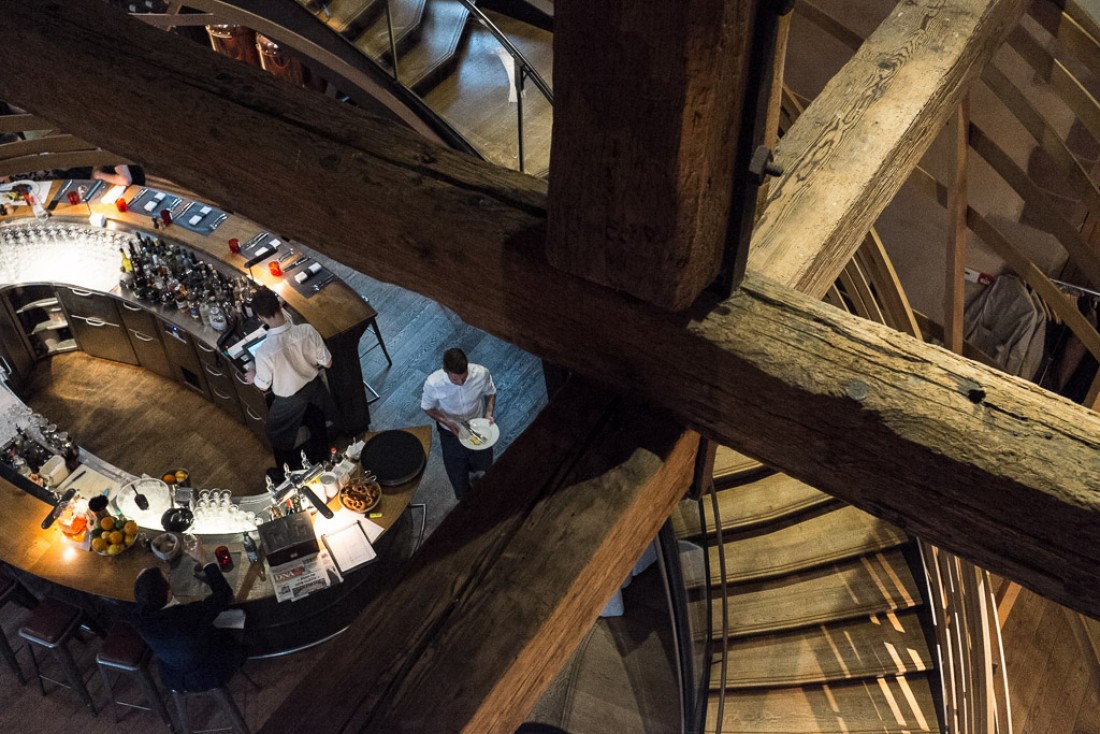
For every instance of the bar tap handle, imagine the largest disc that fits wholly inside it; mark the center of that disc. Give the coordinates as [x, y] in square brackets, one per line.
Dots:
[315, 501]
[59, 507]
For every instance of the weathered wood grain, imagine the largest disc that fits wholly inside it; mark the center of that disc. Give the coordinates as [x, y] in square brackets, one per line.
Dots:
[848, 407]
[642, 204]
[851, 150]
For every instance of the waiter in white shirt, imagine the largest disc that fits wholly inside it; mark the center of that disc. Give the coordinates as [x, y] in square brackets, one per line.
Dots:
[288, 363]
[453, 395]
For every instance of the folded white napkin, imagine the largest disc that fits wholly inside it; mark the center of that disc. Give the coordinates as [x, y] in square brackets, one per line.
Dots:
[262, 251]
[195, 220]
[150, 206]
[204, 211]
[274, 243]
[159, 196]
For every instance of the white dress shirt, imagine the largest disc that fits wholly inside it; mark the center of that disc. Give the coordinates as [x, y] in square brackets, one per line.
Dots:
[461, 402]
[289, 358]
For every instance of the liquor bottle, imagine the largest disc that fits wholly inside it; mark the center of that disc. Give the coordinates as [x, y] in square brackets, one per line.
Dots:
[127, 265]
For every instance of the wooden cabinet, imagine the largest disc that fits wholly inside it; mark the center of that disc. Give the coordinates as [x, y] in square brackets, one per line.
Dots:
[144, 332]
[253, 404]
[96, 324]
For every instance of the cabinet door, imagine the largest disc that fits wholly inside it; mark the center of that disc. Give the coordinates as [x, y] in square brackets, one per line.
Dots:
[18, 360]
[253, 404]
[145, 339]
[221, 386]
[96, 324]
[181, 356]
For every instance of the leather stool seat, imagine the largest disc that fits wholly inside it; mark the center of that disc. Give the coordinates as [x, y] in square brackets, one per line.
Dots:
[51, 625]
[124, 651]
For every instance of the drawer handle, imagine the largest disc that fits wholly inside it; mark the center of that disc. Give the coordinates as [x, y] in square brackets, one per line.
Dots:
[81, 293]
[223, 397]
[212, 372]
[97, 323]
[128, 307]
[141, 337]
[174, 335]
[252, 415]
[240, 379]
[203, 347]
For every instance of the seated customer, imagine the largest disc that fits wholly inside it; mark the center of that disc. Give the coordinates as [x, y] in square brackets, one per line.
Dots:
[120, 175]
[193, 654]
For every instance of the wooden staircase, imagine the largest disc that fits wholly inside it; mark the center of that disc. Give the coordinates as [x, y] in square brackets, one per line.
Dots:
[456, 66]
[824, 629]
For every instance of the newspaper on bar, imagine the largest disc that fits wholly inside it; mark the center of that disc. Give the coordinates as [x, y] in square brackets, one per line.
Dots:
[301, 577]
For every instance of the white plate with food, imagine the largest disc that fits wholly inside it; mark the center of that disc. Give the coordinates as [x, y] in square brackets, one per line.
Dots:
[479, 434]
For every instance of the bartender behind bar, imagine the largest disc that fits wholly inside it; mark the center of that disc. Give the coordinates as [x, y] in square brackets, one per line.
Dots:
[288, 363]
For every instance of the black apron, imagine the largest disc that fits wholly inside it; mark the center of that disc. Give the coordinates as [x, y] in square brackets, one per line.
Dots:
[286, 415]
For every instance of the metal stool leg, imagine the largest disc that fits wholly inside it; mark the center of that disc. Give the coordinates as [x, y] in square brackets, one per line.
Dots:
[68, 664]
[151, 694]
[180, 699]
[37, 670]
[110, 691]
[225, 698]
[9, 655]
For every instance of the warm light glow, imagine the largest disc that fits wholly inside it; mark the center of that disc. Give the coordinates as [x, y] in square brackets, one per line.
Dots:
[71, 552]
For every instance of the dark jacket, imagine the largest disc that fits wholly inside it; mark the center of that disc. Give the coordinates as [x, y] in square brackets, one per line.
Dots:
[192, 653]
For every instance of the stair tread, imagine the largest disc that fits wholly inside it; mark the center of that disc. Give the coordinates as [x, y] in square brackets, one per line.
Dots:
[880, 706]
[755, 503]
[441, 32]
[349, 17]
[730, 464]
[375, 40]
[844, 532]
[474, 97]
[879, 645]
[860, 587]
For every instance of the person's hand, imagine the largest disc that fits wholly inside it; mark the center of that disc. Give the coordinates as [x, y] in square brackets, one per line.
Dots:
[250, 376]
[198, 552]
[456, 429]
[489, 417]
[98, 175]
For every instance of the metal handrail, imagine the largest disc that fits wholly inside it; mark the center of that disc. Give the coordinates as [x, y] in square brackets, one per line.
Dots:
[524, 66]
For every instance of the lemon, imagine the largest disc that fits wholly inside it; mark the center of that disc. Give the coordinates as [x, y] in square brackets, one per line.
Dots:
[99, 545]
[114, 549]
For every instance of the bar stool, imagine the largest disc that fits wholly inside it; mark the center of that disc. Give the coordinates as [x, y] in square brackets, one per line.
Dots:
[224, 698]
[51, 625]
[8, 588]
[124, 651]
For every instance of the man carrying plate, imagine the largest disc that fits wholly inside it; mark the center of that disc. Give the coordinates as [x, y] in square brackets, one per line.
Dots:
[453, 396]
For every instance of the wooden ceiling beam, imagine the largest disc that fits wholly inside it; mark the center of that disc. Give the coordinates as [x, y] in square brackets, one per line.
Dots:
[847, 155]
[644, 141]
[986, 466]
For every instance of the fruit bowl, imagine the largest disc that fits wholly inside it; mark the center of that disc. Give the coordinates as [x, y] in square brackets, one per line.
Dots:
[113, 535]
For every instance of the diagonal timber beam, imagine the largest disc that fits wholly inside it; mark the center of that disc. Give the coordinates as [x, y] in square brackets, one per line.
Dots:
[1007, 479]
[851, 150]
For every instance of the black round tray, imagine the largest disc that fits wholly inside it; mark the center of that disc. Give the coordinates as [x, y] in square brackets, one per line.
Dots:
[395, 457]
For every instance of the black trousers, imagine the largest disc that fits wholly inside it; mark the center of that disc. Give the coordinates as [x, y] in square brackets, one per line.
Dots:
[460, 461]
[309, 407]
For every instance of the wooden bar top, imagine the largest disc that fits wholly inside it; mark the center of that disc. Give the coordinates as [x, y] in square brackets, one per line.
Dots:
[48, 555]
[332, 311]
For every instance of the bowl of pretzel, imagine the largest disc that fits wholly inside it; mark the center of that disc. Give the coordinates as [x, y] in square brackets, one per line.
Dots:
[361, 495]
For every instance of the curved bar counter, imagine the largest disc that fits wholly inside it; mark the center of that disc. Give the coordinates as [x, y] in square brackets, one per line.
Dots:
[86, 259]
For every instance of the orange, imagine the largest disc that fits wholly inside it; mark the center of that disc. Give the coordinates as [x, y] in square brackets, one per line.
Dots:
[130, 528]
[169, 478]
[114, 549]
[116, 538]
[107, 523]
[99, 545]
